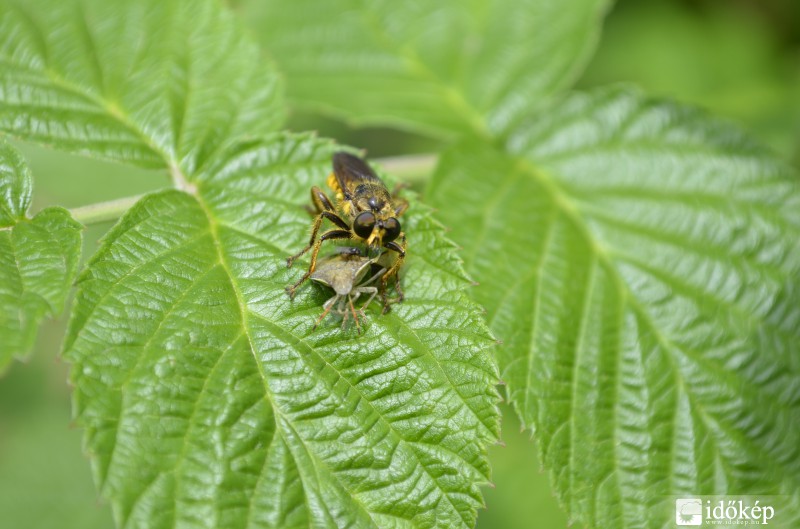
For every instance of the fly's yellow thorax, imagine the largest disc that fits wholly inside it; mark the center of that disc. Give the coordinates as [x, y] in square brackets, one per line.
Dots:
[342, 204]
[346, 206]
[333, 183]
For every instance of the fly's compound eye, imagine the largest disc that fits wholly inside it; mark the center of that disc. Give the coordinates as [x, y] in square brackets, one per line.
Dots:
[391, 227]
[363, 224]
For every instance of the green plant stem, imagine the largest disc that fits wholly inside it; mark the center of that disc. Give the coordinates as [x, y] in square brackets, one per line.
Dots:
[411, 168]
[103, 211]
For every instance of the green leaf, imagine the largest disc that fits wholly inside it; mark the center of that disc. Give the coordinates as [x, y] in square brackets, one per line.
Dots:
[746, 74]
[16, 186]
[143, 82]
[640, 262]
[209, 400]
[435, 67]
[38, 259]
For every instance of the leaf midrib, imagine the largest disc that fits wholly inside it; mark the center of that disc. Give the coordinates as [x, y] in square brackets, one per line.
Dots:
[191, 423]
[576, 206]
[571, 210]
[244, 314]
[127, 379]
[113, 111]
[108, 107]
[453, 97]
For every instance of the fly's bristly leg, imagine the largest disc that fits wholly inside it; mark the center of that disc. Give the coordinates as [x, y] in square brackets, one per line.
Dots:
[320, 200]
[393, 272]
[366, 212]
[327, 236]
[324, 210]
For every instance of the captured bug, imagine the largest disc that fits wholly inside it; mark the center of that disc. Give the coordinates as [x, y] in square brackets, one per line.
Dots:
[371, 212]
[345, 272]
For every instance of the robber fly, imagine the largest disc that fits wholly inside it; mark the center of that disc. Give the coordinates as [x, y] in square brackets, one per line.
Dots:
[365, 211]
[350, 274]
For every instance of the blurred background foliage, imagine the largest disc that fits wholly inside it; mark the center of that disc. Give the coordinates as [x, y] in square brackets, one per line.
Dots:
[740, 59]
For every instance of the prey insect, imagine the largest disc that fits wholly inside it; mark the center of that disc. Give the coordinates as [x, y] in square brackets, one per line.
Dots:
[349, 274]
[364, 211]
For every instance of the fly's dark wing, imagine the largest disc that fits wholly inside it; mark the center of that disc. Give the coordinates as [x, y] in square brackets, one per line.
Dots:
[351, 171]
